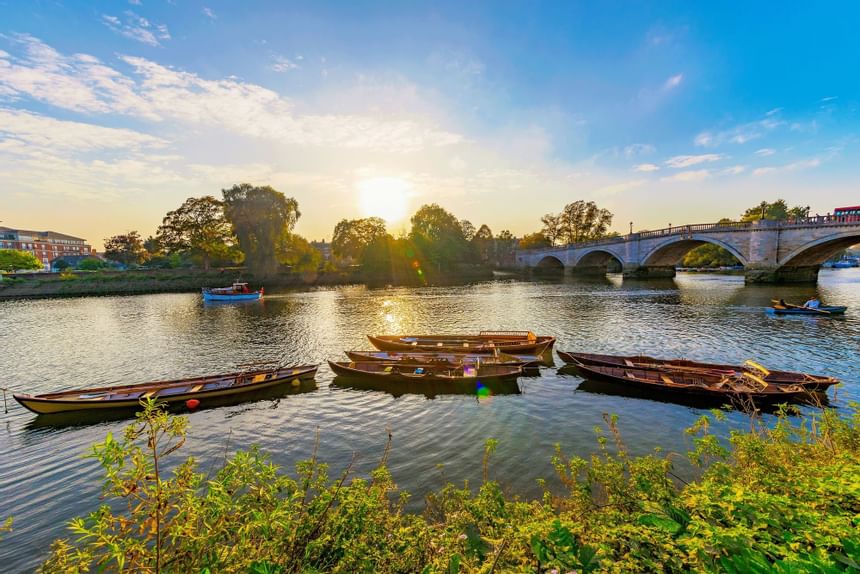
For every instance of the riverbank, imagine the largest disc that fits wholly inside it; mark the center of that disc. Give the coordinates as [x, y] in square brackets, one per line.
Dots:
[773, 499]
[146, 281]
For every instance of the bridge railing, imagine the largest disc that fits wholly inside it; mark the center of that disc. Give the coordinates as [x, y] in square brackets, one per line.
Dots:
[704, 227]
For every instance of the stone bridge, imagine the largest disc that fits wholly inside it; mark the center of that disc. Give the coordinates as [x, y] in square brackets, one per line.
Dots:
[770, 251]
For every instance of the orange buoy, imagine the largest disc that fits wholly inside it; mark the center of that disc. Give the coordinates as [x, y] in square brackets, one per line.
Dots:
[192, 404]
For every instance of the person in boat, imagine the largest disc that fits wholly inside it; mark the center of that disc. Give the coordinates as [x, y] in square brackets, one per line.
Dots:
[813, 303]
[782, 303]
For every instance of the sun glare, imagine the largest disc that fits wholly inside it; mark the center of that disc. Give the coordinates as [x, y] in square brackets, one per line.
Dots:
[384, 197]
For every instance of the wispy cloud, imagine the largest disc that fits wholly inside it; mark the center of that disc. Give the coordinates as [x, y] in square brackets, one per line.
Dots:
[765, 152]
[206, 11]
[638, 149]
[680, 161]
[673, 82]
[137, 28]
[688, 176]
[284, 64]
[742, 133]
[793, 166]
[646, 167]
[734, 170]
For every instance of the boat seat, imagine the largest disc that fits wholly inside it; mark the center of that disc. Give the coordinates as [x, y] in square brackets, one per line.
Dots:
[667, 380]
[629, 363]
[196, 388]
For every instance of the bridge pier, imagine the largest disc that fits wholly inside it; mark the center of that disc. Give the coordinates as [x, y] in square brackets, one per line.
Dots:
[776, 274]
[636, 271]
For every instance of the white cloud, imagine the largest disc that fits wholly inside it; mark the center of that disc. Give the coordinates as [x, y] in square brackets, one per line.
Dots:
[680, 161]
[673, 82]
[638, 149]
[789, 167]
[137, 28]
[734, 170]
[38, 131]
[284, 64]
[134, 2]
[206, 11]
[688, 176]
[81, 83]
[740, 134]
[646, 167]
[765, 152]
[828, 99]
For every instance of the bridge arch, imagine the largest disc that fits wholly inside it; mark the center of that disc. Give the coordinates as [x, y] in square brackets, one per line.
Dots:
[673, 250]
[602, 259]
[550, 264]
[816, 252]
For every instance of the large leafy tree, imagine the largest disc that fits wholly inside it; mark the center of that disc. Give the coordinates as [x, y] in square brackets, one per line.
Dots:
[776, 211]
[484, 244]
[260, 216]
[578, 221]
[126, 248]
[352, 236]
[13, 260]
[438, 236]
[295, 251]
[535, 241]
[199, 229]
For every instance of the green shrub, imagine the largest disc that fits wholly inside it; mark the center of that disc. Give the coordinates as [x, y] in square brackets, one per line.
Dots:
[774, 499]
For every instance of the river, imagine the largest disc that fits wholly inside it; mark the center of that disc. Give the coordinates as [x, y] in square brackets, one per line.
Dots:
[52, 344]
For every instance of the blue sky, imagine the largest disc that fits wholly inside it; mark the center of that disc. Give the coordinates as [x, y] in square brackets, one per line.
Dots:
[112, 113]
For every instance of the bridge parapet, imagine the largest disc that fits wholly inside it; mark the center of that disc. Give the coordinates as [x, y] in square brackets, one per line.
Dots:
[788, 250]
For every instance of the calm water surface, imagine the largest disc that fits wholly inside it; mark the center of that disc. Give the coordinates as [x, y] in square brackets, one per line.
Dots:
[47, 345]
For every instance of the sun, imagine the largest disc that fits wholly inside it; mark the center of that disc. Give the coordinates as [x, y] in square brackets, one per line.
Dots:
[385, 197]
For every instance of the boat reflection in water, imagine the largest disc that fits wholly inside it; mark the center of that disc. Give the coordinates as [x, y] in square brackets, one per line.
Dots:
[430, 389]
[604, 387]
[88, 418]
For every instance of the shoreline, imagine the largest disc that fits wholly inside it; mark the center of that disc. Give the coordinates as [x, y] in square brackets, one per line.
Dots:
[150, 281]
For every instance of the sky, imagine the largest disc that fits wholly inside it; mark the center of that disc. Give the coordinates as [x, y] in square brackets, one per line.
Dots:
[113, 113]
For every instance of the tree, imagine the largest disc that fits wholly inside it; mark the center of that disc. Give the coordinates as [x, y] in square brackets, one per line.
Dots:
[298, 253]
[12, 260]
[709, 255]
[61, 264]
[551, 228]
[260, 216]
[92, 264]
[198, 228]
[468, 229]
[438, 236]
[484, 244]
[126, 249]
[535, 240]
[583, 221]
[352, 236]
[776, 211]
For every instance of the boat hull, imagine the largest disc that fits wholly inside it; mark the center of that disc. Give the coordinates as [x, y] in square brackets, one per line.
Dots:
[538, 347]
[699, 386]
[820, 312]
[424, 357]
[808, 382]
[47, 404]
[256, 295]
[372, 370]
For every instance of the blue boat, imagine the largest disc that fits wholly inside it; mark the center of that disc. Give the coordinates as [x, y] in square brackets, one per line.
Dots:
[782, 308]
[237, 292]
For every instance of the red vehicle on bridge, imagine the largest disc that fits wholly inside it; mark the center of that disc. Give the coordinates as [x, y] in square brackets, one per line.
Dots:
[848, 213]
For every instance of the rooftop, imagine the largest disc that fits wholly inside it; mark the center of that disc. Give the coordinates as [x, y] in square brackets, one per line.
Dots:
[40, 234]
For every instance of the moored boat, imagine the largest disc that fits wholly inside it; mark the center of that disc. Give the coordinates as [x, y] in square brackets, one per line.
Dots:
[175, 391]
[807, 381]
[237, 292]
[718, 388]
[486, 342]
[399, 372]
[432, 357]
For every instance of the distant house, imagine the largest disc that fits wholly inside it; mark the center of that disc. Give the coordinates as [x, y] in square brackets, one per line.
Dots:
[47, 246]
[324, 248]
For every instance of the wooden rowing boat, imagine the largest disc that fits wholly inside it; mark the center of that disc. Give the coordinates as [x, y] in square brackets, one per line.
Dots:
[432, 357]
[719, 388]
[179, 390]
[400, 372]
[809, 382]
[486, 342]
